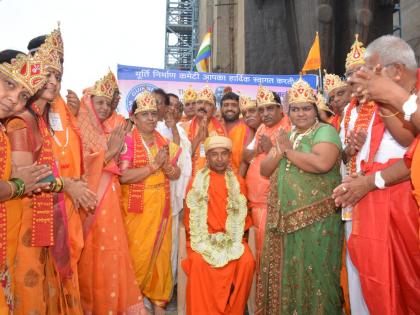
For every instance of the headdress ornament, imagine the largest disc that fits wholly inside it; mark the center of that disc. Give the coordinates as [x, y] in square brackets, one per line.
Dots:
[145, 102]
[190, 95]
[206, 94]
[321, 104]
[355, 56]
[105, 87]
[301, 92]
[245, 102]
[29, 71]
[265, 97]
[332, 82]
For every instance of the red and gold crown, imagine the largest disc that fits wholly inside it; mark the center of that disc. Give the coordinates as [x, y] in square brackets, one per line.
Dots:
[50, 56]
[190, 95]
[245, 102]
[206, 94]
[145, 102]
[321, 104]
[265, 97]
[105, 87]
[56, 41]
[29, 71]
[355, 56]
[301, 92]
[331, 82]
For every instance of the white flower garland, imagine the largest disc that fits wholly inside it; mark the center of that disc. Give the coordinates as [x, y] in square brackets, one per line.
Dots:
[217, 249]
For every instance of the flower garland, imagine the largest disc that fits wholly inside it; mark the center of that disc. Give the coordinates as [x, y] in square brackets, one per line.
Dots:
[364, 116]
[217, 249]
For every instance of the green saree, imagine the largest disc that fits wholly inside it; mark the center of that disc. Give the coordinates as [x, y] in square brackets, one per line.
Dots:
[301, 259]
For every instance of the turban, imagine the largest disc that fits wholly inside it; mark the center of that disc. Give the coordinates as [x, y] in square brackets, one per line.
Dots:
[214, 142]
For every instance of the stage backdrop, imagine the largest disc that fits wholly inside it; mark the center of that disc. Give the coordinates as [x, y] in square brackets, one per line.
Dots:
[133, 80]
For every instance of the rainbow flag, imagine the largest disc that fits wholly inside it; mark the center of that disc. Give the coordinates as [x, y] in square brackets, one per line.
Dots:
[201, 63]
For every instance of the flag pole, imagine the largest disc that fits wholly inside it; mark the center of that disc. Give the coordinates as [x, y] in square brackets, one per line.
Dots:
[211, 47]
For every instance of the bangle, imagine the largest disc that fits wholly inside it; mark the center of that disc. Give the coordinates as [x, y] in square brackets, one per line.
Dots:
[58, 186]
[12, 189]
[20, 187]
[387, 116]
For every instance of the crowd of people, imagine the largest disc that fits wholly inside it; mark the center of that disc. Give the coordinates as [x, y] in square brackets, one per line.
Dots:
[91, 203]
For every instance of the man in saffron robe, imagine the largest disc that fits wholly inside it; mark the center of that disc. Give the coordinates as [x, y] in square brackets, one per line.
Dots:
[240, 134]
[385, 220]
[202, 126]
[219, 265]
[338, 94]
[258, 187]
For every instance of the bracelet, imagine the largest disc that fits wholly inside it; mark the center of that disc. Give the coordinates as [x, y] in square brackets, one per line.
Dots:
[12, 189]
[387, 116]
[58, 185]
[20, 187]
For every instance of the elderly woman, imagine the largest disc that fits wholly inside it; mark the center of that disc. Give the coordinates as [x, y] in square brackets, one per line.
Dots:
[302, 245]
[149, 163]
[106, 276]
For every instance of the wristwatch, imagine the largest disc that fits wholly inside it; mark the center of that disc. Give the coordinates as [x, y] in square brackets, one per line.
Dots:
[379, 180]
[410, 107]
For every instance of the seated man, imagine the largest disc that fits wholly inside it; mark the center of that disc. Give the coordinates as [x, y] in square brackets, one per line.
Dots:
[219, 265]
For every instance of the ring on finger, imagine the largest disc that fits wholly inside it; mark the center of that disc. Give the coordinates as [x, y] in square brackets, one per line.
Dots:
[344, 189]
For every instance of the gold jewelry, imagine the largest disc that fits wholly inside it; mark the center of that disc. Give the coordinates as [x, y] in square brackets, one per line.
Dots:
[12, 189]
[387, 116]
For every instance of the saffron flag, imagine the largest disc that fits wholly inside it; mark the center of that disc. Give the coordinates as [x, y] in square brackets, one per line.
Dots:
[204, 53]
[313, 62]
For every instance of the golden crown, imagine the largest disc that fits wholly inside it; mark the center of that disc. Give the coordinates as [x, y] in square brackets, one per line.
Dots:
[190, 95]
[245, 102]
[265, 97]
[321, 104]
[29, 71]
[206, 94]
[50, 56]
[145, 102]
[106, 86]
[301, 92]
[331, 82]
[355, 56]
[56, 41]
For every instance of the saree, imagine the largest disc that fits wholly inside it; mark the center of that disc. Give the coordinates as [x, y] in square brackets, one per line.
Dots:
[301, 258]
[149, 224]
[106, 276]
[43, 254]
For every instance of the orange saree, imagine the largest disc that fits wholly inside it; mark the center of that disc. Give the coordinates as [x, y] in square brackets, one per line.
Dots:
[148, 220]
[106, 276]
[43, 252]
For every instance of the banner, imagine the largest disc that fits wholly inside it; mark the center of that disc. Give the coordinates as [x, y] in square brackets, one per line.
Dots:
[133, 80]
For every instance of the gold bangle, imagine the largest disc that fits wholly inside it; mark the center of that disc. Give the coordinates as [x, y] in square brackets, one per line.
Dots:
[387, 116]
[12, 190]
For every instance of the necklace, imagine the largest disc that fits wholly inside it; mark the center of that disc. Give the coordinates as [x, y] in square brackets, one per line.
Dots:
[57, 141]
[217, 249]
[297, 137]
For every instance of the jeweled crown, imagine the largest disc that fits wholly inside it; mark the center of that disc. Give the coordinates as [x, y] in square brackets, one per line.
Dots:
[245, 102]
[190, 95]
[206, 94]
[106, 86]
[355, 56]
[145, 102]
[56, 41]
[29, 71]
[301, 92]
[265, 97]
[321, 104]
[332, 82]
